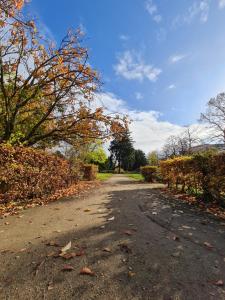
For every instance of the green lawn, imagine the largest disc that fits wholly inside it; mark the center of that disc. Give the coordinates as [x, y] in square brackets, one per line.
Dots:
[136, 176]
[103, 176]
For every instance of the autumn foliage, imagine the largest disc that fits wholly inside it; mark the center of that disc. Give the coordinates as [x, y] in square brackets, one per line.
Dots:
[48, 91]
[201, 174]
[26, 173]
[150, 173]
[90, 171]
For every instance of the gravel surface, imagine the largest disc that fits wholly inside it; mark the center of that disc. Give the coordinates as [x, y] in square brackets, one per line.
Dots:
[138, 242]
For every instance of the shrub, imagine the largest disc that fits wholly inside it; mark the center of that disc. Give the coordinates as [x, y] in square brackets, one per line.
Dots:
[90, 172]
[150, 173]
[27, 173]
[202, 173]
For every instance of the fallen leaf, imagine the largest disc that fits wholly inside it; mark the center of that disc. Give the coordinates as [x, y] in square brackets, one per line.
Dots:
[67, 268]
[7, 223]
[87, 271]
[131, 274]
[67, 247]
[87, 210]
[23, 250]
[128, 232]
[106, 250]
[51, 254]
[208, 245]
[50, 287]
[219, 283]
[186, 227]
[67, 255]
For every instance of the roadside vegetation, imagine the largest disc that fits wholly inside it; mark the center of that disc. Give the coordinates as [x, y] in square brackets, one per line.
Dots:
[104, 176]
[136, 176]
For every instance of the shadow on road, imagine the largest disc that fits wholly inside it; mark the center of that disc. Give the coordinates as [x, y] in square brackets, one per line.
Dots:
[147, 247]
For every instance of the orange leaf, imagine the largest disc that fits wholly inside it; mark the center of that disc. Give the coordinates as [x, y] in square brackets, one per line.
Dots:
[87, 271]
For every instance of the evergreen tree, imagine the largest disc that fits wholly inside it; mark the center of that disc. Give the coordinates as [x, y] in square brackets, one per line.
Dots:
[140, 159]
[122, 151]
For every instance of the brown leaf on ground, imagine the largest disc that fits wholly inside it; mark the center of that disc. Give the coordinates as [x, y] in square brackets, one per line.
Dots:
[23, 250]
[128, 232]
[51, 254]
[67, 255]
[131, 274]
[67, 268]
[67, 247]
[107, 250]
[219, 283]
[87, 271]
[87, 210]
[208, 245]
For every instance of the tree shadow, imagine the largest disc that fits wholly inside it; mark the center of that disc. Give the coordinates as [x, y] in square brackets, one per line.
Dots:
[131, 255]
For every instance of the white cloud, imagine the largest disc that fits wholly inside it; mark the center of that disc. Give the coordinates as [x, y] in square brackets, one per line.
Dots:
[221, 4]
[138, 96]
[198, 10]
[131, 66]
[176, 58]
[152, 9]
[124, 37]
[157, 18]
[171, 86]
[147, 130]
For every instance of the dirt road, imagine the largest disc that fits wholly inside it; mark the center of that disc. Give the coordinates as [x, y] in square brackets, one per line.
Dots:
[139, 244]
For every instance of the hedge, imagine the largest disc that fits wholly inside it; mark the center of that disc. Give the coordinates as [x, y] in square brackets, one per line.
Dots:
[150, 173]
[202, 174]
[90, 172]
[27, 173]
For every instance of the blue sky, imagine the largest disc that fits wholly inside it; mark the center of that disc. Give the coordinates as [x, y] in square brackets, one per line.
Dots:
[160, 60]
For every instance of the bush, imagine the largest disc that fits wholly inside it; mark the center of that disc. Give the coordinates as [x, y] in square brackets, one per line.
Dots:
[150, 173]
[27, 173]
[202, 173]
[90, 172]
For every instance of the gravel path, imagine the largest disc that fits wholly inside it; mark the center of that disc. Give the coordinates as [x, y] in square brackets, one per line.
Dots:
[139, 243]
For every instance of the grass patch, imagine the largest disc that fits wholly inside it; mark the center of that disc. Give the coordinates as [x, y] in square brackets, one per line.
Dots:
[103, 176]
[136, 176]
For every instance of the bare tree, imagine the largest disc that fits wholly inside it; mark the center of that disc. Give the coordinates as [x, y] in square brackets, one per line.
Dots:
[215, 116]
[181, 144]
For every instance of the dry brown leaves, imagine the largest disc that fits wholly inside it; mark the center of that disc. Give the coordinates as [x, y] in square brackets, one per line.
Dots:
[86, 271]
[212, 208]
[13, 208]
